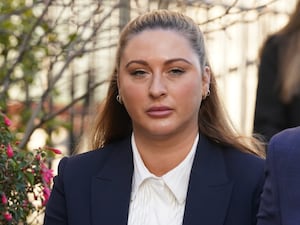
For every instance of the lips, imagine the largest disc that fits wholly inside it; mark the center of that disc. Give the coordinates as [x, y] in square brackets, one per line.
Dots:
[159, 111]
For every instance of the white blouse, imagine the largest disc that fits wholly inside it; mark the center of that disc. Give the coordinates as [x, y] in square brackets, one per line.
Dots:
[159, 200]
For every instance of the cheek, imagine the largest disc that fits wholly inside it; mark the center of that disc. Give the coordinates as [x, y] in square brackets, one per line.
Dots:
[132, 95]
[191, 92]
[191, 100]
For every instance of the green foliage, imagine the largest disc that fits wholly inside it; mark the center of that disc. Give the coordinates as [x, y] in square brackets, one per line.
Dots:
[26, 35]
[40, 77]
[21, 46]
[25, 179]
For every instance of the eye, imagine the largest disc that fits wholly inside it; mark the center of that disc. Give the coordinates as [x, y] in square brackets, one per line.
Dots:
[138, 72]
[176, 71]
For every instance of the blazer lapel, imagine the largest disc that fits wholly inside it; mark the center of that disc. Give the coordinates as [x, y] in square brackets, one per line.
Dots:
[209, 188]
[111, 188]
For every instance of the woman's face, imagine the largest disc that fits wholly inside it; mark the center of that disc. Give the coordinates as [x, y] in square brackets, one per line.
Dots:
[161, 83]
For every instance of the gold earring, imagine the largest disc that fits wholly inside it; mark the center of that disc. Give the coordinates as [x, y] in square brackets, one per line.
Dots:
[119, 99]
[207, 94]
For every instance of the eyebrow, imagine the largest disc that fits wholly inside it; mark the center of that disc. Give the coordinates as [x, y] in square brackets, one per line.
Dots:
[142, 62]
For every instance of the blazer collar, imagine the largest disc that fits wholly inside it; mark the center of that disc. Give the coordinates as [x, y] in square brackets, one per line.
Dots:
[209, 187]
[111, 188]
[208, 195]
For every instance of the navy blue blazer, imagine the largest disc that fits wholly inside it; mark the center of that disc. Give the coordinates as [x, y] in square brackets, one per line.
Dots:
[280, 201]
[94, 188]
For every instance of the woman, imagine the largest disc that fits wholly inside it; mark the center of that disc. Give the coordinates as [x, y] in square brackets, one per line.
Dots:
[168, 154]
[280, 201]
[278, 90]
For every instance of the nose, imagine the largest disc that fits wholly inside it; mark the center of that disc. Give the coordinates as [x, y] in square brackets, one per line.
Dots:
[157, 86]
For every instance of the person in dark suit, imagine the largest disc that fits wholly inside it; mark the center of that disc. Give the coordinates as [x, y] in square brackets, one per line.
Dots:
[166, 151]
[280, 200]
[278, 91]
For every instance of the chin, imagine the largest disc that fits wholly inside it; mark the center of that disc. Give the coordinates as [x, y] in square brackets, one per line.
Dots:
[162, 131]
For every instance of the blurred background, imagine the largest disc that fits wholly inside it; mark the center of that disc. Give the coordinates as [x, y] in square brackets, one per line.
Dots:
[56, 57]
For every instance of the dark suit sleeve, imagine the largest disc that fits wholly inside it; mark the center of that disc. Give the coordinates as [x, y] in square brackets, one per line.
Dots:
[256, 198]
[56, 212]
[269, 117]
[269, 213]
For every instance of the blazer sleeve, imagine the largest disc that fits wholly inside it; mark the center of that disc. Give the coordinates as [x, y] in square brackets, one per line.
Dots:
[56, 211]
[280, 200]
[269, 211]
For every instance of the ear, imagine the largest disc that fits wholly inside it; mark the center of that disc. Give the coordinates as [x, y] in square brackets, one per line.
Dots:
[206, 80]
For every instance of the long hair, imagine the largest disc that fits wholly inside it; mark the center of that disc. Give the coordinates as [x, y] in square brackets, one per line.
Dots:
[289, 57]
[114, 123]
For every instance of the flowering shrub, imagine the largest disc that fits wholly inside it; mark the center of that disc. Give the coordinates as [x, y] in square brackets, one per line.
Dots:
[25, 179]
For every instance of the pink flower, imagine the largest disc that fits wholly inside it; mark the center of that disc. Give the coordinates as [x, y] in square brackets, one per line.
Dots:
[7, 216]
[4, 199]
[9, 151]
[46, 194]
[38, 157]
[47, 174]
[56, 151]
[7, 121]
[25, 203]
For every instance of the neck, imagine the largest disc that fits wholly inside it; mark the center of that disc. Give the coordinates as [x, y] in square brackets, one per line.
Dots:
[160, 155]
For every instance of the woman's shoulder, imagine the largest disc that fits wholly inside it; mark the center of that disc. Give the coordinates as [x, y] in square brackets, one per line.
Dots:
[94, 159]
[244, 165]
[244, 157]
[238, 163]
[234, 156]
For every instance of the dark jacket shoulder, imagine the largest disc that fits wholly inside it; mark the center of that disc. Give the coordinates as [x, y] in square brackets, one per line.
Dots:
[239, 164]
[89, 163]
